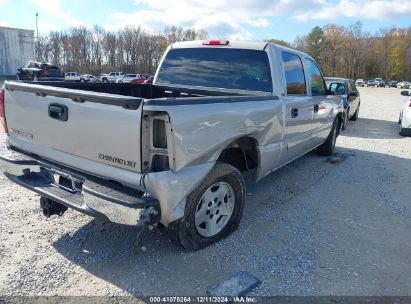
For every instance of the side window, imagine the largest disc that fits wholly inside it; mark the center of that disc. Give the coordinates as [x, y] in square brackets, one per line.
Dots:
[316, 79]
[294, 74]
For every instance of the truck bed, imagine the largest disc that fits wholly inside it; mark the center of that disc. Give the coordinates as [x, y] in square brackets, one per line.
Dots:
[145, 91]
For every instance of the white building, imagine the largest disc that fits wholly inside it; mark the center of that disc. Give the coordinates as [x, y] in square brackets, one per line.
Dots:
[16, 48]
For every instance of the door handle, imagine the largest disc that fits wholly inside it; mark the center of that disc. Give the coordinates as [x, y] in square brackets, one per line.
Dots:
[316, 108]
[294, 113]
[58, 111]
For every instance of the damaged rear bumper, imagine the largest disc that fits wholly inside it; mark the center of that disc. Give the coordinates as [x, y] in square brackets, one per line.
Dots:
[88, 194]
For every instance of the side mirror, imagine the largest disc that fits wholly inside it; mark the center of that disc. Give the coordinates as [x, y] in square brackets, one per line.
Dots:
[328, 92]
[405, 93]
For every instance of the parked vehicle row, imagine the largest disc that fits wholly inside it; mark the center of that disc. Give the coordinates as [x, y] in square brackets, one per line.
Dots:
[379, 82]
[173, 153]
[43, 71]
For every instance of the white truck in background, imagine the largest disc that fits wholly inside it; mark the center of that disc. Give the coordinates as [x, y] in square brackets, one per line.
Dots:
[111, 77]
[72, 76]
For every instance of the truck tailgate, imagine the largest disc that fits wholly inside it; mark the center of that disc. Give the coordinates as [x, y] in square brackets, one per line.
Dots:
[81, 129]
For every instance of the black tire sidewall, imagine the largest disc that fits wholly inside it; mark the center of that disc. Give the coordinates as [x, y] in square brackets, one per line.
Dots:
[328, 146]
[345, 120]
[189, 236]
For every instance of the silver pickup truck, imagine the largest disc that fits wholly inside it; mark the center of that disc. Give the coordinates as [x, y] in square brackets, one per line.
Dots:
[170, 153]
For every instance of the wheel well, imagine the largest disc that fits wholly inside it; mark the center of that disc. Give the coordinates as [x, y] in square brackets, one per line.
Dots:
[242, 154]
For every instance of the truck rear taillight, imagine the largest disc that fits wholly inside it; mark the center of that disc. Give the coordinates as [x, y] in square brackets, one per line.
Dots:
[45, 72]
[216, 42]
[2, 113]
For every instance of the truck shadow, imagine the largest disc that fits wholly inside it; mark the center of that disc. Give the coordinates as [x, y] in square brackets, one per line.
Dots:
[372, 128]
[283, 215]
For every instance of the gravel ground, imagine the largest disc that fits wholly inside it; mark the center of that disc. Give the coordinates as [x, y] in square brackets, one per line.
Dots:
[319, 226]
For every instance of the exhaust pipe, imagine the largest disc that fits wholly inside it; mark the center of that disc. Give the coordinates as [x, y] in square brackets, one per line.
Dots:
[51, 207]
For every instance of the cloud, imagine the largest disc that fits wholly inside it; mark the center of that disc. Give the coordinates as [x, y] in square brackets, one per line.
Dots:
[360, 9]
[229, 18]
[235, 18]
[3, 23]
[52, 8]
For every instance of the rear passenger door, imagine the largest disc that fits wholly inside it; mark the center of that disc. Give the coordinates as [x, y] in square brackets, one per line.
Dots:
[322, 111]
[299, 107]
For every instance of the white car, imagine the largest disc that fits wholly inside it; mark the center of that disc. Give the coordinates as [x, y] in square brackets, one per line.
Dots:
[405, 115]
[128, 78]
[403, 85]
[72, 76]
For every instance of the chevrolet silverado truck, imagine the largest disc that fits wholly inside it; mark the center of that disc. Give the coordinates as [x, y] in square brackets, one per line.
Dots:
[171, 152]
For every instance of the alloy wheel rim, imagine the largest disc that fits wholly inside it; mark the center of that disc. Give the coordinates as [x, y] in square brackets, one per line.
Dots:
[214, 209]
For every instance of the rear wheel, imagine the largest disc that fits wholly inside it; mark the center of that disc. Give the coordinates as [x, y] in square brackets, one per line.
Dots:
[213, 210]
[327, 147]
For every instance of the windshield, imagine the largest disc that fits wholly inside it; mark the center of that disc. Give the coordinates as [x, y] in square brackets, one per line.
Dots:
[217, 68]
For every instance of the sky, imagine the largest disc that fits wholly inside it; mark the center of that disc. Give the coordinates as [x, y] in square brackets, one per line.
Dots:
[228, 19]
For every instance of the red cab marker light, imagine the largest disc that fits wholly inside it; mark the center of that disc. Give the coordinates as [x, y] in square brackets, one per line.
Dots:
[216, 42]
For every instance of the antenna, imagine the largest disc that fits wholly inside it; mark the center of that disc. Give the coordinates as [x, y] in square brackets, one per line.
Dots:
[37, 25]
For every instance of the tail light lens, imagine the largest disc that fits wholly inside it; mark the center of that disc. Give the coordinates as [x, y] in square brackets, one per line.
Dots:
[2, 115]
[45, 72]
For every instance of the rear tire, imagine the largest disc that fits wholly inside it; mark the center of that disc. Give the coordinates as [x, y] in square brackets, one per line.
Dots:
[195, 229]
[327, 147]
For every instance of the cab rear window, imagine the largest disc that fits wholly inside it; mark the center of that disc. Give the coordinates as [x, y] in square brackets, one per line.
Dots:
[217, 68]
